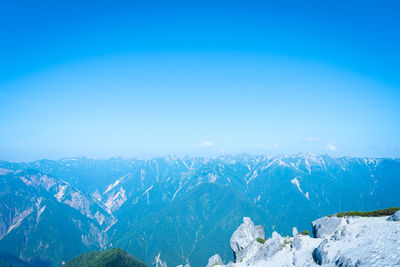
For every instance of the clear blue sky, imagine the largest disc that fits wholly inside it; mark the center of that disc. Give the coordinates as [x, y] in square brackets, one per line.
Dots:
[149, 78]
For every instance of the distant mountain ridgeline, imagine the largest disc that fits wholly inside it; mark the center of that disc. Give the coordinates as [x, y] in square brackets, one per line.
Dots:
[183, 209]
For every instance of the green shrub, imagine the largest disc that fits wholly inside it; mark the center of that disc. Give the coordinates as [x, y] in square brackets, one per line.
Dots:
[260, 240]
[287, 241]
[305, 232]
[375, 213]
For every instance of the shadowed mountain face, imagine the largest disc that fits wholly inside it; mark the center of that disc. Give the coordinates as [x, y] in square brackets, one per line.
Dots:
[183, 209]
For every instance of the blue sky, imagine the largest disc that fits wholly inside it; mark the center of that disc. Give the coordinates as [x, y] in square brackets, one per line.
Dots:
[150, 78]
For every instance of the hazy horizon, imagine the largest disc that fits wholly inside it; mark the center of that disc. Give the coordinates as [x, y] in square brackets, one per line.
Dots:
[182, 156]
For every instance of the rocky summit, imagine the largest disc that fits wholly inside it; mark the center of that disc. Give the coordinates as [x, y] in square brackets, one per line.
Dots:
[347, 241]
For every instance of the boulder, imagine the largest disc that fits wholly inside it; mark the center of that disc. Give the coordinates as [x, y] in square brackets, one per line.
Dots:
[214, 260]
[325, 226]
[395, 216]
[245, 235]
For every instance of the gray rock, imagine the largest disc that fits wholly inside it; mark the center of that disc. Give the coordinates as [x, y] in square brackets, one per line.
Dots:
[325, 226]
[296, 244]
[339, 234]
[320, 255]
[253, 253]
[259, 231]
[273, 244]
[346, 262]
[245, 235]
[295, 231]
[256, 252]
[214, 260]
[395, 216]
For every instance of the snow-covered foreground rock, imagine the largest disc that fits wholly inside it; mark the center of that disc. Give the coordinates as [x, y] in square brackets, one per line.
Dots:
[347, 241]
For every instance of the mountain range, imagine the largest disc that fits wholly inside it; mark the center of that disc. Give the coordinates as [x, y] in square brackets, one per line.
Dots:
[180, 209]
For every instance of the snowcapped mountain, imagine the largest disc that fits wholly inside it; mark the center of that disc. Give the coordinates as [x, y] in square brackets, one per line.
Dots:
[181, 208]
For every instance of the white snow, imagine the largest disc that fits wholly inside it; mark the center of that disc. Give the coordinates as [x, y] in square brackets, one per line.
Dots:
[18, 219]
[148, 189]
[189, 168]
[213, 177]
[158, 262]
[142, 173]
[115, 201]
[39, 212]
[5, 171]
[26, 181]
[61, 192]
[111, 186]
[176, 192]
[297, 183]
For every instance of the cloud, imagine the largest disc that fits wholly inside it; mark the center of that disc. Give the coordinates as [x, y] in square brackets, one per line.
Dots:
[206, 144]
[331, 147]
[273, 147]
[310, 139]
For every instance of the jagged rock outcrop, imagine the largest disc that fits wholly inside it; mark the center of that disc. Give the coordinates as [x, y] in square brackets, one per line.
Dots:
[320, 255]
[339, 241]
[214, 260]
[325, 226]
[295, 231]
[395, 216]
[244, 236]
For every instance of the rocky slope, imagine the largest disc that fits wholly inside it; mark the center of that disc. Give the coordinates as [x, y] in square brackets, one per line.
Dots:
[339, 241]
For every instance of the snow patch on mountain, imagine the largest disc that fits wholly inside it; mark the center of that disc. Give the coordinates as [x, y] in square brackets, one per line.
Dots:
[18, 218]
[61, 192]
[297, 183]
[158, 262]
[113, 185]
[116, 200]
[212, 177]
[5, 171]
